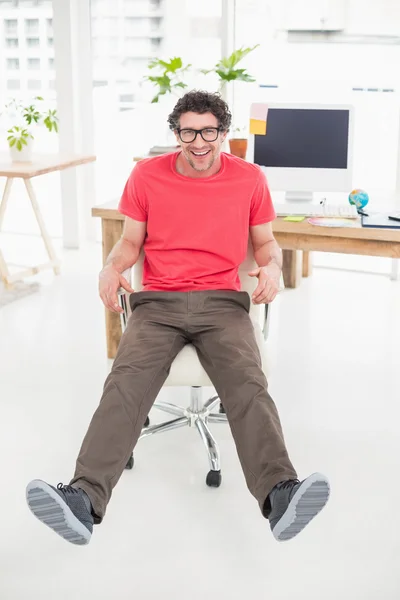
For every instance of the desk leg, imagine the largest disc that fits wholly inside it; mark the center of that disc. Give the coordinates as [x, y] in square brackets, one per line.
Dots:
[292, 268]
[307, 264]
[46, 238]
[4, 273]
[111, 232]
[4, 200]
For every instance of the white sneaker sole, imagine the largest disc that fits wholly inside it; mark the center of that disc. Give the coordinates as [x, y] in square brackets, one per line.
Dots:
[48, 506]
[306, 503]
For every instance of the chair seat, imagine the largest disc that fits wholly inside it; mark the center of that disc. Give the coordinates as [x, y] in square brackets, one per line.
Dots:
[186, 370]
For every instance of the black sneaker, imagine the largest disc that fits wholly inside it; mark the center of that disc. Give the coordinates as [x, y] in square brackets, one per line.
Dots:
[294, 504]
[64, 509]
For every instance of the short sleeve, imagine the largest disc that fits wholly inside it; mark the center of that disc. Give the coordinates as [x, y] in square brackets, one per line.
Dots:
[261, 208]
[133, 201]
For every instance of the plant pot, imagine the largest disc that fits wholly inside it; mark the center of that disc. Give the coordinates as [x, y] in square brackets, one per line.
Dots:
[238, 147]
[24, 155]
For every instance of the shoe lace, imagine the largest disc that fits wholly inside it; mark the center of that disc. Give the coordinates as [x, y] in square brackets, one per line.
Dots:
[288, 484]
[67, 489]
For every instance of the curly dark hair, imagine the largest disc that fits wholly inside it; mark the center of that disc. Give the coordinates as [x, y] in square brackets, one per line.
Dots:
[201, 102]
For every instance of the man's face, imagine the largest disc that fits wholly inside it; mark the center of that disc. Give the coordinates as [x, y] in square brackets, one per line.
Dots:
[200, 154]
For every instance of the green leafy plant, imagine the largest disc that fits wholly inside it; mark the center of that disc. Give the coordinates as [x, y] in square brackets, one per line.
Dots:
[226, 68]
[18, 137]
[28, 116]
[167, 76]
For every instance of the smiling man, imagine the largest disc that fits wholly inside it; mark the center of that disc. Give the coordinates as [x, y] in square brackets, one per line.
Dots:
[192, 211]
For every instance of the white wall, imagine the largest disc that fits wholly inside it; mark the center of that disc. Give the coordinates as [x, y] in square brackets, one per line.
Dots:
[374, 17]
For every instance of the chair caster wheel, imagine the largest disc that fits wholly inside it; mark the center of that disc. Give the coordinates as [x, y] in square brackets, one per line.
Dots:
[130, 463]
[214, 479]
[147, 422]
[222, 409]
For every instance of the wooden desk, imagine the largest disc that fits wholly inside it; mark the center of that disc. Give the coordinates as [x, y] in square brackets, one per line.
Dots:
[26, 171]
[296, 240]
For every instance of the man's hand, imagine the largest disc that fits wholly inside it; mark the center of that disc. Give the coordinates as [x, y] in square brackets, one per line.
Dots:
[109, 283]
[268, 284]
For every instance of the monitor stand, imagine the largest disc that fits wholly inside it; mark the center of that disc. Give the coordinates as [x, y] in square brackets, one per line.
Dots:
[299, 196]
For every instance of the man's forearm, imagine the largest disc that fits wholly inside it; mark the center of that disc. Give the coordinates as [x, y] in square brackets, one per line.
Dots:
[269, 254]
[122, 256]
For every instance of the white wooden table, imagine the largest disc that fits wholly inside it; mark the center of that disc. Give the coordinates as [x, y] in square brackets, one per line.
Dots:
[41, 165]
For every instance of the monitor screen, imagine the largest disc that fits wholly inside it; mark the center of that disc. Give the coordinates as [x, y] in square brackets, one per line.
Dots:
[304, 139]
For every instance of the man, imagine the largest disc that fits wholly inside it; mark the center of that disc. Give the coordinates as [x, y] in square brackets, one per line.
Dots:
[193, 211]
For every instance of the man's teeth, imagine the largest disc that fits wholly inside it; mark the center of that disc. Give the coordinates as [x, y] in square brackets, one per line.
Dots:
[201, 153]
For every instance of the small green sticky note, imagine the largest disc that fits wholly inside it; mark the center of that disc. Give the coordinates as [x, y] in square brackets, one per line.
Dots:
[294, 219]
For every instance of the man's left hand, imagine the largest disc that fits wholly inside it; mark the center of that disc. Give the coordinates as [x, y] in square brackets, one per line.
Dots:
[268, 284]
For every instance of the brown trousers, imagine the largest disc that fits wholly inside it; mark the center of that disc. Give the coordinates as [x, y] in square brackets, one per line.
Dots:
[217, 323]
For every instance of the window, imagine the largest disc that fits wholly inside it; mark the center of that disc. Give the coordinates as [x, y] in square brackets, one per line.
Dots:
[136, 26]
[125, 36]
[32, 42]
[34, 64]
[32, 25]
[126, 97]
[34, 84]
[13, 64]
[49, 25]
[155, 4]
[30, 3]
[13, 84]
[11, 42]
[51, 63]
[155, 43]
[155, 24]
[10, 25]
[50, 42]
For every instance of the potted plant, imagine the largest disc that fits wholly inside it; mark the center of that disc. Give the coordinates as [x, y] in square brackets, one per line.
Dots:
[238, 142]
[166, 76]
[227, 71]
[26, 117]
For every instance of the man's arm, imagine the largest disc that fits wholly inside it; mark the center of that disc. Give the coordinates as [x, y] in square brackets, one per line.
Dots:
[124, 255]
[268, 256]
[266, 249]
[126, 251]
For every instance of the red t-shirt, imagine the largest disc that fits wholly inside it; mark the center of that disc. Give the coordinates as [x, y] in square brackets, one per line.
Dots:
[197, 229]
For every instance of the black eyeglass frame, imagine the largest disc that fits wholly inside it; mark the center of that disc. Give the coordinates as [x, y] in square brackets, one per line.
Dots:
[197, 132]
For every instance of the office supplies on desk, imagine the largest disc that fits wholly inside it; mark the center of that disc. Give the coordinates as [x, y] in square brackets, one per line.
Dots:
[332, 222]
[307, 209]
[294, 219]
[380, 220]
[359, 198]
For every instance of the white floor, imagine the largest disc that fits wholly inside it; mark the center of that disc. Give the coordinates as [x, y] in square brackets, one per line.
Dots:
[334, 347]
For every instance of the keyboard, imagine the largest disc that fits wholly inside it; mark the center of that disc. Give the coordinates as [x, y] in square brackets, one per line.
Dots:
[307, 209]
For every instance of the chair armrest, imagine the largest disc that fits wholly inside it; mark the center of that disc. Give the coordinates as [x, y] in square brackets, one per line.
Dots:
[261, 313]
[123, 300]
[127, 274]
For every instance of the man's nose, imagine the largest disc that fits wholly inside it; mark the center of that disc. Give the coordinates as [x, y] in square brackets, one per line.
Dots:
[198, 140]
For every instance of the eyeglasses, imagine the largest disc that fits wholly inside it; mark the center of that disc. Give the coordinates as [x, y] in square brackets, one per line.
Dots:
[209, 134]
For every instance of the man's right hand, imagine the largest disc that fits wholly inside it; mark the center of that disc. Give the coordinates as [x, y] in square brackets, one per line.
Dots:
[109, 283]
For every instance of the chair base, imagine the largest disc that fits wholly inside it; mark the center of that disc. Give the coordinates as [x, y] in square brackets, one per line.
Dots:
[196, 415]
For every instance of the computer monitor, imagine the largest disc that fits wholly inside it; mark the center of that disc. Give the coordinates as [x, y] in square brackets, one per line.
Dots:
[307, 148]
